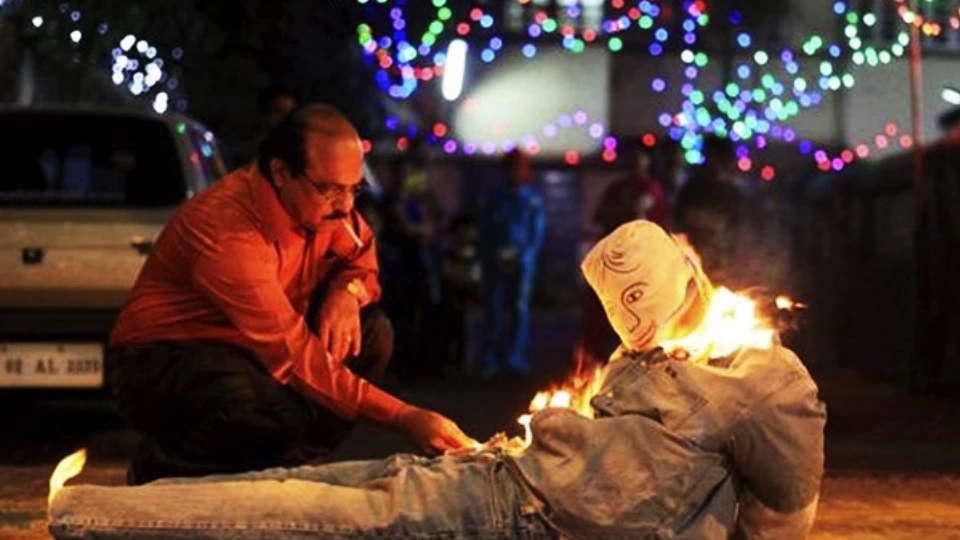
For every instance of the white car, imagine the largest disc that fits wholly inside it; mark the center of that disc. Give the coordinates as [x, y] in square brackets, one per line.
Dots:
[83, 193]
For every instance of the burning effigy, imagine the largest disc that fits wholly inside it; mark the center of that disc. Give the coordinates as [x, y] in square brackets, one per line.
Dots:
[701, 425]
[731, 322]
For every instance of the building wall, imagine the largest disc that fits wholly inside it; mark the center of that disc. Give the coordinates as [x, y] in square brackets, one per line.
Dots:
[518, 96]
[882, 95]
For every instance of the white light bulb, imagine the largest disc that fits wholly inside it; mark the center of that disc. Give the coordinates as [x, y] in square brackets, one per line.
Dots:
[454, 70]
[950, 95]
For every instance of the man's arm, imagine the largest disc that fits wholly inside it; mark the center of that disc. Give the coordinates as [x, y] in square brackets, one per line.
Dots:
[359, 269]
[237, 274]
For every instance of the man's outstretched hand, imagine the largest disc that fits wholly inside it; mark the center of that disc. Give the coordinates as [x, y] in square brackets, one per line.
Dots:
[432, 432]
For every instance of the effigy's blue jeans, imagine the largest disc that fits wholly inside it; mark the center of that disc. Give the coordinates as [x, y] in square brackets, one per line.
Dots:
[402, 496]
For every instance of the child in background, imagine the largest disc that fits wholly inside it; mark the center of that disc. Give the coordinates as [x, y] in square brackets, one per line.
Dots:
[460, 281]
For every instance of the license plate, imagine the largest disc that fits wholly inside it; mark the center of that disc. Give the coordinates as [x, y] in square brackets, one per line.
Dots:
[51, 365]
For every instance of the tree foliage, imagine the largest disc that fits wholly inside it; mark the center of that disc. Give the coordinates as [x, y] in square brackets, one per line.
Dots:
[231, 50]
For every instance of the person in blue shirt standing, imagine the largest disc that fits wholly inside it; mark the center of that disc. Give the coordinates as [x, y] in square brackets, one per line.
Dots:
[512, 231]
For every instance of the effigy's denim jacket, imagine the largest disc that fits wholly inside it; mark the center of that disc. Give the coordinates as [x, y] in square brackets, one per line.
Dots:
[676, 445]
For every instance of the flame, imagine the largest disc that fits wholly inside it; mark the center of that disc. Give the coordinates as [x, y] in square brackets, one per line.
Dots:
[731, 323]
[574, 394]
[786, 303]
[68, 467]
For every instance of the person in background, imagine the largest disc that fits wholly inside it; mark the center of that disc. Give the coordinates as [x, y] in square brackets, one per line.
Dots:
[411, 222]
[251, 338]
[461, 274]
[637, 195]
[511, 236]
[709, 210]
[669, 169]
[274, 103]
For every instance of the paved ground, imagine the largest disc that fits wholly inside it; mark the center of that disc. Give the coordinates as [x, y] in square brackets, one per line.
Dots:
[894, 467]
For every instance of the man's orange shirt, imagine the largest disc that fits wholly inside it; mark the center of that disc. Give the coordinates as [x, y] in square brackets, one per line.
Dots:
[232, 266]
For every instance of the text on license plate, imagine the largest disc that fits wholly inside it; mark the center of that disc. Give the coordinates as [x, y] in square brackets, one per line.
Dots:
[51, 365]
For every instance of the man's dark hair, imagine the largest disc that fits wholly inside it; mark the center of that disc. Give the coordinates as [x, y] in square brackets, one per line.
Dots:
[271, 92]
[286, 142]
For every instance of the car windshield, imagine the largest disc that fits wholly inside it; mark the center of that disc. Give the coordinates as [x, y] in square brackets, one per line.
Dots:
[88, 159]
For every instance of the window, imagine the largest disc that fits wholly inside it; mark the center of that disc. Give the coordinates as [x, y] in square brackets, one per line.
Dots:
[88, 159]
[205, 156]
[580, 14]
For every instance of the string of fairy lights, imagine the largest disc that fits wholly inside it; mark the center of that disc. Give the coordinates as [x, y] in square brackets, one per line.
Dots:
[135, 64]
[930, 27]
[769, 88]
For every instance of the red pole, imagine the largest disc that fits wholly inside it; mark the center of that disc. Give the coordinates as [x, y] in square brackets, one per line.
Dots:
[921, 351]
[916, 112]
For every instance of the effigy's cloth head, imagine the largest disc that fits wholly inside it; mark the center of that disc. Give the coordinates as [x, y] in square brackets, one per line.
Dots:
[645, 280]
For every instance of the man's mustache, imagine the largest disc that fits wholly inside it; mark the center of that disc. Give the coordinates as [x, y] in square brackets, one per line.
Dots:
[339, 214]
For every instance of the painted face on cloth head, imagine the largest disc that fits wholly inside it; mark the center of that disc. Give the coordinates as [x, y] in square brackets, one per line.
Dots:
[642, 277]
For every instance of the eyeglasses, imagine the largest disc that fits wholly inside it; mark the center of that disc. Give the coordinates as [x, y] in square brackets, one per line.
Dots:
[329, 189]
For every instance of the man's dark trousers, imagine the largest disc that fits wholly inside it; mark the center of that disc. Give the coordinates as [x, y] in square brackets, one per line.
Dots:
[212, 408]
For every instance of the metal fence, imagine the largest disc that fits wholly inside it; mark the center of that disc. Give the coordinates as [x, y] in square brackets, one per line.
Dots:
[883, 278]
